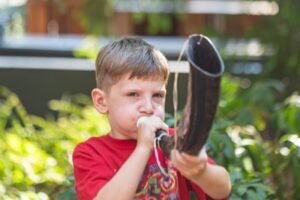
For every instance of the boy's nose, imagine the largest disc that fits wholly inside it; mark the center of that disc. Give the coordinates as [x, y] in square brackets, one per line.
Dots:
[147, 106]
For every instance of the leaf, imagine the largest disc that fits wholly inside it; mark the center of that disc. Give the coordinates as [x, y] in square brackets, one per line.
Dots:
[251, 195]
[70, 194]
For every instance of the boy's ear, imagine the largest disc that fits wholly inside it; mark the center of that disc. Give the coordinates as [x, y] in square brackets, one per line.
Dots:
[99, 100]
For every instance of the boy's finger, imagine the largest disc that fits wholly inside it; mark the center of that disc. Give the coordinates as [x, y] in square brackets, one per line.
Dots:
[165, 126]
[153, 120]
[178, 159]
[141, 120]
[202, 153]
[191, 159]
[187, 164]
[196, 159]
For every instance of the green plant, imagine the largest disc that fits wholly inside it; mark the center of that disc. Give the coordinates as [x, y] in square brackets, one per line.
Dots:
[36, 152]
[281, 32]
[257, 139]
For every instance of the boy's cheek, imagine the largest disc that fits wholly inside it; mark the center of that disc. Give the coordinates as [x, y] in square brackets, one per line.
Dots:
[162, 113]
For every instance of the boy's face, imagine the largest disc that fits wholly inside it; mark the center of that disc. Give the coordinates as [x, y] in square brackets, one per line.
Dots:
[130, 99]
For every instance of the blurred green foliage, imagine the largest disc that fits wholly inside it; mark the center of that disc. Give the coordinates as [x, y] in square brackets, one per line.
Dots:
[97, 16]
[257, 139]
[35, 160]
[282, 33]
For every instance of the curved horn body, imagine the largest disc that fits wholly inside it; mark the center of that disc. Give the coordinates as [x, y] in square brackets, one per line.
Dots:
[206, 69]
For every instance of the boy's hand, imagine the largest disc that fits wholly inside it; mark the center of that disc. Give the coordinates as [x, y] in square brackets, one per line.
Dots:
[147, 126]
[192, 167]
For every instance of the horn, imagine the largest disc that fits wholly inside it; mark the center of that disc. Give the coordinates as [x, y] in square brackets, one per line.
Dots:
[206, 68]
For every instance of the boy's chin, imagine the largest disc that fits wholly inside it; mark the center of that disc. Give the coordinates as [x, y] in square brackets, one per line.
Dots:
[134, 136]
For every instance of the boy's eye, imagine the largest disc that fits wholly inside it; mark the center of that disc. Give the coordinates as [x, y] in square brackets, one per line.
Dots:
[132, 94]
[159, 95]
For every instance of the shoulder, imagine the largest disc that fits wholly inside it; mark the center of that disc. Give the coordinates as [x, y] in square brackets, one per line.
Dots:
[90, 169]
[90, 146]
[89, 142]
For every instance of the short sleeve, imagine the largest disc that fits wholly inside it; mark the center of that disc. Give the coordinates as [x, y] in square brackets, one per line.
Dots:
[90, 171]
[199, 192]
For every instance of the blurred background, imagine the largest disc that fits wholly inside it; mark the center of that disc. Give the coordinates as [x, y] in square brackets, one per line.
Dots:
[47, 52]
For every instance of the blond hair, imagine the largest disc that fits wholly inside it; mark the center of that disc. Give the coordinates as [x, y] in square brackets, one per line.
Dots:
[129, 55]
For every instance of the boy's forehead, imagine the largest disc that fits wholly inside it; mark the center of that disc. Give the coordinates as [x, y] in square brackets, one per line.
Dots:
[129, 82]
[128, 76]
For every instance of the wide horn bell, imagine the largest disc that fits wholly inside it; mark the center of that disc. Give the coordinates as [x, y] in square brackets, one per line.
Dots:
[203, 92]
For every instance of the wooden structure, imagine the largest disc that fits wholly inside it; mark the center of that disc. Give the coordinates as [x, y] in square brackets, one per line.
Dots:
[46, 17]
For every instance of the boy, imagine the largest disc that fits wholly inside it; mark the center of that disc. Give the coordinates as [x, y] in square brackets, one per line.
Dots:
[131, 80]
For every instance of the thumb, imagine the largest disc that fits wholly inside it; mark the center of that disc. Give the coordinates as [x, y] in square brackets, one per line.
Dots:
[202, 154]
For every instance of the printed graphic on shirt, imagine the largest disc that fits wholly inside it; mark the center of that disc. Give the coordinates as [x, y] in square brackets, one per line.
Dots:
[154, 185]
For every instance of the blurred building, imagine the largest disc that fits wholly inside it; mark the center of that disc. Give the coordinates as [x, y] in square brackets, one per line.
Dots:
[225, 16]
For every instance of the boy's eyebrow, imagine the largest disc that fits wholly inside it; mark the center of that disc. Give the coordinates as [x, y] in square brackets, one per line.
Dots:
[163, 90]
[137, 88]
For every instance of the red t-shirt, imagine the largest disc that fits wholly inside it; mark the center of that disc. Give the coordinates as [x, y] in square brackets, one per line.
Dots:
[99, 158]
